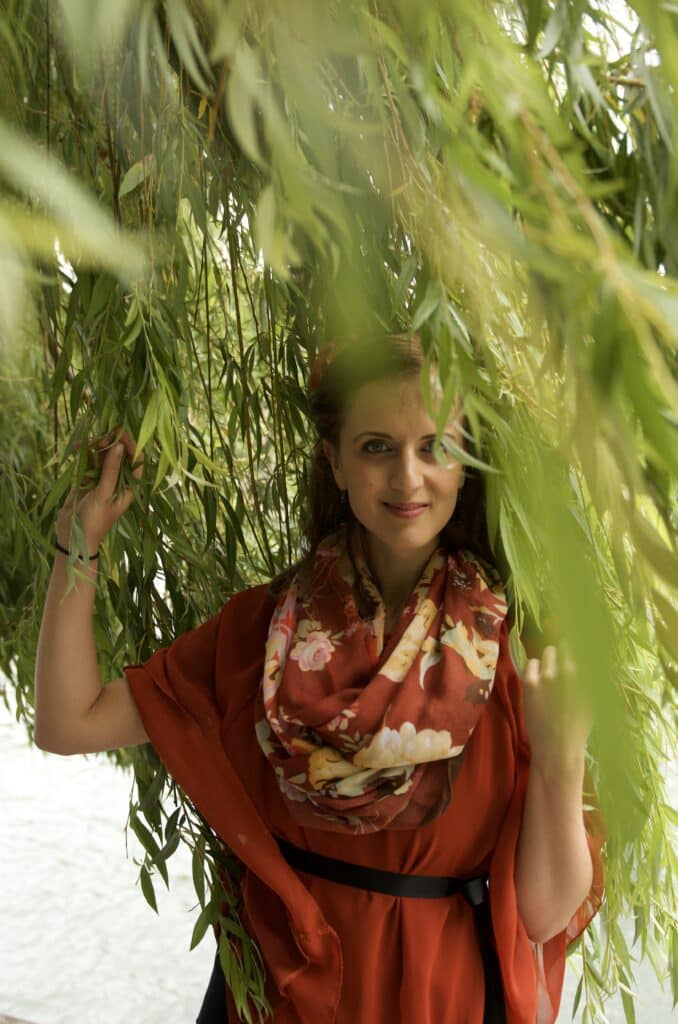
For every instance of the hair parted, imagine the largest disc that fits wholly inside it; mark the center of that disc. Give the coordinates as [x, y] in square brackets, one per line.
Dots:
[341, 367]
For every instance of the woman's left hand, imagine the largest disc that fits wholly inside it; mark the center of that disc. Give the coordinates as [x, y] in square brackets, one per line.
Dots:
[557, 720]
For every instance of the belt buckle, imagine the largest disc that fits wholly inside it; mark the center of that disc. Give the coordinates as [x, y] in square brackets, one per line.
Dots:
[475, 890]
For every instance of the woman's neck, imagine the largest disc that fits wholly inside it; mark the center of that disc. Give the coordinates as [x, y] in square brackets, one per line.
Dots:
[395, 574]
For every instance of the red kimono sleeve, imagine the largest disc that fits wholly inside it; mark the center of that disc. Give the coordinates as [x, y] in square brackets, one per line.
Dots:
[183, 693]
[519, 956]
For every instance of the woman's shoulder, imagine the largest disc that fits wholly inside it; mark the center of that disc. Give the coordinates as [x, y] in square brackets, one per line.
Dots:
[258, 593]
[249, 606]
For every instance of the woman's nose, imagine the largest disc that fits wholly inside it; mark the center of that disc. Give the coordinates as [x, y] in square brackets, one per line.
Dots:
[406, 470]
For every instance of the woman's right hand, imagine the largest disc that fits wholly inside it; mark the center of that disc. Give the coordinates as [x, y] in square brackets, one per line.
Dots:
[97, 508]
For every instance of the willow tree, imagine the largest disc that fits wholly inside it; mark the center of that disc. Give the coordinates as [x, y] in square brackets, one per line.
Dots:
[196, 195]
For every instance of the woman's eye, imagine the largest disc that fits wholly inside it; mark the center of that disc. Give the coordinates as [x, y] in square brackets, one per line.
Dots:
[366, 446]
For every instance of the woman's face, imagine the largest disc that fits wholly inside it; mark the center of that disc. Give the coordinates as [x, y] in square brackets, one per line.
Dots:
[385, 457]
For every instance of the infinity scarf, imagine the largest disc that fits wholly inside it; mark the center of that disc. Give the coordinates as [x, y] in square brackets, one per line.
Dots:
[364, 735]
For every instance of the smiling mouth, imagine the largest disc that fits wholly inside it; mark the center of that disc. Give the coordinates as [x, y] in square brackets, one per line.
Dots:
[405, 508]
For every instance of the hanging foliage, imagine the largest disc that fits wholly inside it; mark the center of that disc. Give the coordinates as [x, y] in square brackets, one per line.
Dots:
[196, 195]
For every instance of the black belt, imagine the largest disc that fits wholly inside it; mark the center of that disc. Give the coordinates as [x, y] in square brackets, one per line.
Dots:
[422, 886]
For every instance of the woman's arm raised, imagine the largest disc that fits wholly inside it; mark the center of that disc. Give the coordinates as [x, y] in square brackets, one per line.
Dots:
[73, 712]
[553, 866]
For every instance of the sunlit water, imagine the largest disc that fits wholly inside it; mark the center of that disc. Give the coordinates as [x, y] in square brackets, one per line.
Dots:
[78, 942]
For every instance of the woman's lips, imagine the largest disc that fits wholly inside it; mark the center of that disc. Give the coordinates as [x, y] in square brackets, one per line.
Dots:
[406, 511]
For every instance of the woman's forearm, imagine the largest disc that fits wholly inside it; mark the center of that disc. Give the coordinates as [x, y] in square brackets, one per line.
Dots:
[67, 678]
[553, 868]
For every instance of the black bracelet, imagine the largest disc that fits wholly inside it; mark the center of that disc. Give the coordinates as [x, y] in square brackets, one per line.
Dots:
[65, 551]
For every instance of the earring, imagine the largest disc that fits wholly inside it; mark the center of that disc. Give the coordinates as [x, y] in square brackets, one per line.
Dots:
[344, 502]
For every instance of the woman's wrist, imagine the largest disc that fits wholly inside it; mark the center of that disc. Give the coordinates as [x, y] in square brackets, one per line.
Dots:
[567, 767]
[86, 570]
[63, 549]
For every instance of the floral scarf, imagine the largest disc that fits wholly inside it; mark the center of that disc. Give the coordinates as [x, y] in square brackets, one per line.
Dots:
[364, 735]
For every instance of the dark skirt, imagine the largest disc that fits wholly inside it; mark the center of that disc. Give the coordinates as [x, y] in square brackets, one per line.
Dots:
[214, 1009]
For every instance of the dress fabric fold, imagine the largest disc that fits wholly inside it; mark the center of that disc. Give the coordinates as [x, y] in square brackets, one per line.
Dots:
[334, 954]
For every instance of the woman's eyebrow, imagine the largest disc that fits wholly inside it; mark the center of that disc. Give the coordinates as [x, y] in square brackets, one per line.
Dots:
[378, 433]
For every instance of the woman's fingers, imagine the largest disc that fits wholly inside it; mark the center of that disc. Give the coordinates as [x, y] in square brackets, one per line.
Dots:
[551, 679]
[532, 673]
[130, 449]
[110, 472]
[549, 662]
[104, 459]
[553, 663]
[98, 501]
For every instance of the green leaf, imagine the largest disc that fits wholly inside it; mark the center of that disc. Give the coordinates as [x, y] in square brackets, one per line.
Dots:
[553, 30]
[150, 420]
[208, 916]
[229, 30]
[150, 795]
[430, 302]
[137, 173]
[145, 837]
[628, 1005]
[187, 42]
[35, 173]
[147, 888]
[533, 20]
[58, 492]
[171, 823]
[167, 851]
[103, 289]
[240, 101]
[198, 870]
[62, 367]
[577, 996]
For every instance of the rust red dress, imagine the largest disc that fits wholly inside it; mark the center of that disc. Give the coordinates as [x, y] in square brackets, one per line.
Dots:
[336, 954]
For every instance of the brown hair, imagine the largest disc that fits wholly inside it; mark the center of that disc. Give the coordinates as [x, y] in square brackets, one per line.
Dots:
[354, 365]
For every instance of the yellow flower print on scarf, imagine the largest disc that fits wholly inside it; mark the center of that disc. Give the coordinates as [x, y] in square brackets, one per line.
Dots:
[400, 661]
[325, 765]
[479, 654]
[330, 772]
[360, 782]
[391, 747]
[388, 753]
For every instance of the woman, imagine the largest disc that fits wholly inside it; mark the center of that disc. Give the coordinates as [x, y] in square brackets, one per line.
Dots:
[408, 809]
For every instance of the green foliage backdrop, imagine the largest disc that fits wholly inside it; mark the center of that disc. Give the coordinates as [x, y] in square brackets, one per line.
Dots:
[195, 195]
